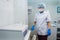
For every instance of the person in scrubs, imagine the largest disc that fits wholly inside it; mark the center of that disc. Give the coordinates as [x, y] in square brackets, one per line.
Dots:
[42, 23]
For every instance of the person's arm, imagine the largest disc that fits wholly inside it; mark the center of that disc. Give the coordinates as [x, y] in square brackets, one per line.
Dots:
[49, 28]
[49, 24]
[48, 20]
[34, 22]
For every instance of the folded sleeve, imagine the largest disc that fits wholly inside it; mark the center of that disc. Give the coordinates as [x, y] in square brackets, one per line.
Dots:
[48, 17]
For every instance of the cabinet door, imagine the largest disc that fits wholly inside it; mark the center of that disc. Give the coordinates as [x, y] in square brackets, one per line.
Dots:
[6, 12]
[20, 11]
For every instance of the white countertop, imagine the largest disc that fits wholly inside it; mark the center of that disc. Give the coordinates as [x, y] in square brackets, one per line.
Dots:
[14, 27]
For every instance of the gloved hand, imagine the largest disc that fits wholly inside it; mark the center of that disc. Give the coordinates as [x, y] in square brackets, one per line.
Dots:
[33, 27]
[49, 32]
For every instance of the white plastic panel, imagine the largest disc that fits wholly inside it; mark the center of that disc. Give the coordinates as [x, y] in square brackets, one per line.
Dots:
[11, 35]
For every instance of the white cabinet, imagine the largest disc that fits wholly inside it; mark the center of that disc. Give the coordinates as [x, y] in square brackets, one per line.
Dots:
[13, 11]
[14, 32]
[6, 12]
[20, 11]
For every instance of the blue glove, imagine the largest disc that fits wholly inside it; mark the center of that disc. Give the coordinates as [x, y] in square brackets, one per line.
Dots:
[49, 32]
[33, 27]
